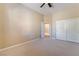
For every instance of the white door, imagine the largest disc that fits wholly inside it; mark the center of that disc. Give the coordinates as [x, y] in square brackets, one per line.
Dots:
[61, 29]
[68, 30]
[71, 30]
[76, 27]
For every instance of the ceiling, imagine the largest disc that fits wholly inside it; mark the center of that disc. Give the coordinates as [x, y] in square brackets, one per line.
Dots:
[45, 10]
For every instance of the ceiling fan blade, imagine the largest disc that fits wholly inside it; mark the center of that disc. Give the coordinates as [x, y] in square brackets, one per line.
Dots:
[49, 4]
[42, 5]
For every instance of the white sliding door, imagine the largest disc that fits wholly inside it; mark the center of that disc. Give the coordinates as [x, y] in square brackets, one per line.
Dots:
[61, 29]
[68, 30]
[77, 30]
[71, 30]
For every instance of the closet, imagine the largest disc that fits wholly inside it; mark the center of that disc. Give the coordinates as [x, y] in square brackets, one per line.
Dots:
[68, 29]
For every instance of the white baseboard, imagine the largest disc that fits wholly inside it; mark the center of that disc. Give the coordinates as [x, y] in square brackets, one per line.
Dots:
[20, 44]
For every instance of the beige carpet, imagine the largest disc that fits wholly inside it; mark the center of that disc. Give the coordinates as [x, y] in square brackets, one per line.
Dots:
[44, 47]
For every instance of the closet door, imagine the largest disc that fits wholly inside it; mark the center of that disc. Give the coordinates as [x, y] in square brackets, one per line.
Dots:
[77, 30]
[61, 29]
[71, 30]
[68, 30]
[53, 30]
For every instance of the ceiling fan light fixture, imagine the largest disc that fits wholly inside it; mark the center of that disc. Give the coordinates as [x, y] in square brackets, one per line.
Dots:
[42, 5]
[49, 4]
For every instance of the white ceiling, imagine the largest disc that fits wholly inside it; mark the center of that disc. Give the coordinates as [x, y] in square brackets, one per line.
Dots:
[48, 11]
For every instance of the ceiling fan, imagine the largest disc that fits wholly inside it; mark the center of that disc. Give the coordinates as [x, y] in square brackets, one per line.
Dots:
[49, 4]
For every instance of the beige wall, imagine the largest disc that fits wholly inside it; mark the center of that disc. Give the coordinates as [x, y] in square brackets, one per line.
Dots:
[47, 19]
[21, 24]
[2, 24]
[71, 12]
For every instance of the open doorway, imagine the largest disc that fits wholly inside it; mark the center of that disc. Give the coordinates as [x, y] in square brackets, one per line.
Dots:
[47, 30]
[46, 27]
